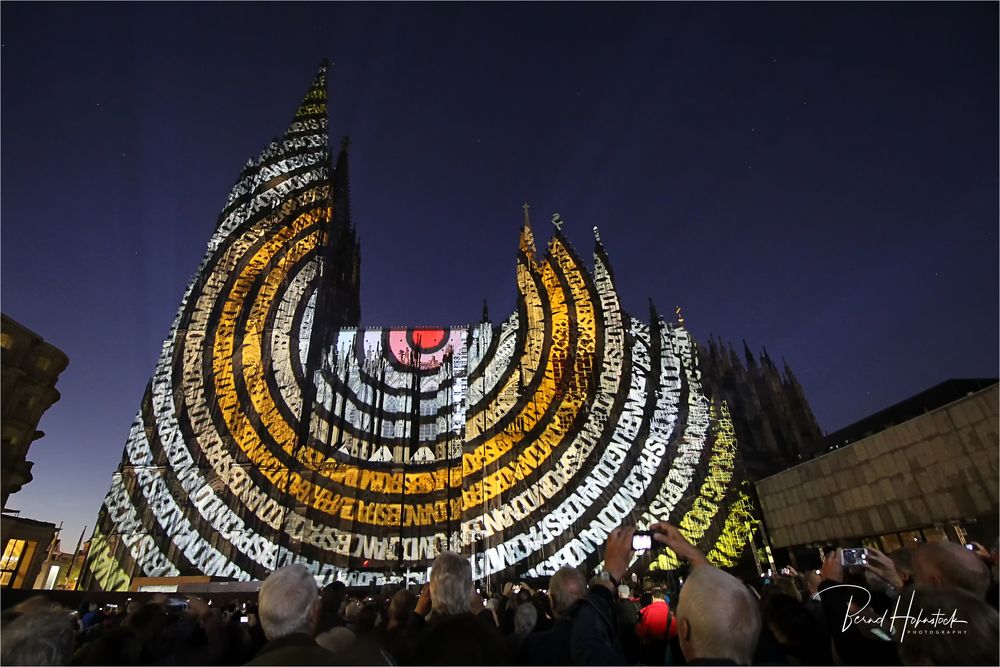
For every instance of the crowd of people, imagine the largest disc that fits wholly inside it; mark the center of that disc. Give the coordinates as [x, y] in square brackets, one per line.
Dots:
[933, 605]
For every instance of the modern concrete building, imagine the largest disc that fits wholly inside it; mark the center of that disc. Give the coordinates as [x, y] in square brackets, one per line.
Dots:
[923, 470]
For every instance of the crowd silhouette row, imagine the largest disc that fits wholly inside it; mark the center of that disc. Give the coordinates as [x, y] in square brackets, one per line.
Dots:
[930, 605]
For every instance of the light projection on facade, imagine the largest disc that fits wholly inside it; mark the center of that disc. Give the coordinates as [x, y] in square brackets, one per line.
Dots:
[275, 430]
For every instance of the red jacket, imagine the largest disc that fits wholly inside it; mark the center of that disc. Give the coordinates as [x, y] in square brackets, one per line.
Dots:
[653, 622]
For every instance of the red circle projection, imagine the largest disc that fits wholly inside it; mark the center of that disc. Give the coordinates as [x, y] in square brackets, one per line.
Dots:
[427, 340]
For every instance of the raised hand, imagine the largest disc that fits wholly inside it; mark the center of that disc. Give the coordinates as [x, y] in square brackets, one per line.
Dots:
[669, 535]
[882, 565]
[618, 551]
[833, 569]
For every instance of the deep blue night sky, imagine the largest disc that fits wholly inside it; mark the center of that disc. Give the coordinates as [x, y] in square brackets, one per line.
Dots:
[817, 179]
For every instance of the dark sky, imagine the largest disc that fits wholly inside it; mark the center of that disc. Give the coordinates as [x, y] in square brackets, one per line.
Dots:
[817, 179]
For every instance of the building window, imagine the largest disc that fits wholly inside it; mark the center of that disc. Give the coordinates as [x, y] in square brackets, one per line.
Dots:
[6, 341]
[43, 364]
[15, 562]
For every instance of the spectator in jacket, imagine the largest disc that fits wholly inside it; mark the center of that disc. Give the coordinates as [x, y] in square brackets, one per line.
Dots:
[654, 629]
[551, 647]
[628, 616]
[289, 610]
[331, 603]
[454, 635]
[595, 638]
[525, 619]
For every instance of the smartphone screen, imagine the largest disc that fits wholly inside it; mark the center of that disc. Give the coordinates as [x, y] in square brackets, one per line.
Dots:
[244, 619]
[641, 541]
[854, 557]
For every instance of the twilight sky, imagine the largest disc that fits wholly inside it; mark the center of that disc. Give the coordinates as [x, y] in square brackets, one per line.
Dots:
[819, 179]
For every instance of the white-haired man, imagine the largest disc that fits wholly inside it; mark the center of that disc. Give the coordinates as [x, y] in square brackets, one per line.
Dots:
[454, 634]
[718, 618]
[552, 647]
[289, 610]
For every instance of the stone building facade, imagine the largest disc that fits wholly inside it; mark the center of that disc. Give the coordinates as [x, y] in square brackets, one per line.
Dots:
[30, 370]
[931, 477]
[771, 416]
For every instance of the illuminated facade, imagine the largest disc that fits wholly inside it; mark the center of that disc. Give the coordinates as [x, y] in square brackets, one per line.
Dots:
[275, 430]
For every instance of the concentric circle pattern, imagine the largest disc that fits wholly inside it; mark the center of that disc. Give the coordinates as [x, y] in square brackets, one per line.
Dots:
[270, 435]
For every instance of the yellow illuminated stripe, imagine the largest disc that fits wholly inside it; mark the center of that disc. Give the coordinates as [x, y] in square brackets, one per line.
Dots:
[574, 398]
[311, 110]
[104, 568]
[486, 416]
[736, 534]
[698, 519]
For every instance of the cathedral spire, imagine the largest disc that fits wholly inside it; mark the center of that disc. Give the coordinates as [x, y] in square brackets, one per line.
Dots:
[654, 316]
[342, 190]
[527, 242]
[751, 362]
[311, 114]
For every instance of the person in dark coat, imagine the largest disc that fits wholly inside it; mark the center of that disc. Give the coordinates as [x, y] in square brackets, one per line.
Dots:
[460, 631]
[289, 612]
[551, 647]
[595, 639]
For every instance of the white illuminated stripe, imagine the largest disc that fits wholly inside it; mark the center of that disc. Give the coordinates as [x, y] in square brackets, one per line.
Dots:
[498, 364]
[482, 336]
[305, 330]
[247, 183]
[620, 505]
[683, 466]
[272, 198]
[280, 338]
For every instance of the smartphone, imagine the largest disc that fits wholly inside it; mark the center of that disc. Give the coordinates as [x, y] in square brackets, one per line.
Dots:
[850, 557]
[244, 619]
[642, 540]
[970, 547]
[177, 603]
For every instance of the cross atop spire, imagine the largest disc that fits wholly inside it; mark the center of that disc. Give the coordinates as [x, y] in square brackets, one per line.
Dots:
[527, 217]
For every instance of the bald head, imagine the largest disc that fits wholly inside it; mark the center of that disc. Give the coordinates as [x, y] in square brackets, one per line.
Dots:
[717, 617]
[950, 565]
[566, 587]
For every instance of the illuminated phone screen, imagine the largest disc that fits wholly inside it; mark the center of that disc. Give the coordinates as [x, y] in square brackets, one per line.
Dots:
[642, 542]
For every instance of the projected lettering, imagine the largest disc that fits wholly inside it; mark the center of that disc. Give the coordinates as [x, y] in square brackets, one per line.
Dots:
[272, 431]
